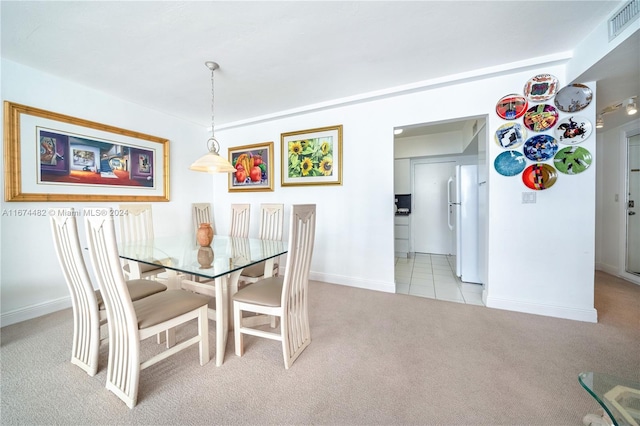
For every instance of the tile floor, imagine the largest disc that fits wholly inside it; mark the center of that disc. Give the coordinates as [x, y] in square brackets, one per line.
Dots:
[433, 276]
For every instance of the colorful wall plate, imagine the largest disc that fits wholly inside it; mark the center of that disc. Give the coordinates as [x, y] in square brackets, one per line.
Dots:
[573, 130]
[541, 87]
[511, 135]
[540, 117]
[572, 160]
[540, 148]
[573, 98]
[510, 163]
[512, 106]
[539, 176]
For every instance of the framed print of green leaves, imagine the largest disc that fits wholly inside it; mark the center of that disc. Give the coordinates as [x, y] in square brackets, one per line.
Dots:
[312, 157]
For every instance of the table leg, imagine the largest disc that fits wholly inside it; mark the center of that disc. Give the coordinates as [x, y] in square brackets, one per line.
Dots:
[226, 286]
[268, 268]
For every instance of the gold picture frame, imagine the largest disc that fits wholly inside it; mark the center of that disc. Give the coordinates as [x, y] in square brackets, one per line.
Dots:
[312, 157]
[258, 158]
[55, 157]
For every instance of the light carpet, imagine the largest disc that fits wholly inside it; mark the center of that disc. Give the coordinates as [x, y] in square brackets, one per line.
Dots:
[375, 358]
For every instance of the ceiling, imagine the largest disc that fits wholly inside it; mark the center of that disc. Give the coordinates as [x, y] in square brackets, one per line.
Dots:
[282, 56]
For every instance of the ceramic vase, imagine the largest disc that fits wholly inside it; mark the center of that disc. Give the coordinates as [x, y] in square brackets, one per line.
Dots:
[204, 235]
[205, 257]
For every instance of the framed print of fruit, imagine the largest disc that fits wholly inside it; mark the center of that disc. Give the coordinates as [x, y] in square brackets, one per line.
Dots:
[254, 167]
[312, 157]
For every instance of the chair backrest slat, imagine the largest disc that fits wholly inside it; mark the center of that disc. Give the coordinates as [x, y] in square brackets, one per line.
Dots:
[136, 222]
[201, 214]
[240, 215]
[271, 221]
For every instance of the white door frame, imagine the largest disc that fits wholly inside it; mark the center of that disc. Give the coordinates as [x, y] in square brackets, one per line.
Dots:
[622, 259]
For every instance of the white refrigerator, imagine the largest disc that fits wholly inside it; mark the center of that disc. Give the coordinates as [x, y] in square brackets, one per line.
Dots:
[462, 200]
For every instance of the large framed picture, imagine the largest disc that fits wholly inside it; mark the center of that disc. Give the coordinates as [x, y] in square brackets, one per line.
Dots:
[254, 167]
[56, 157]
[312, 157]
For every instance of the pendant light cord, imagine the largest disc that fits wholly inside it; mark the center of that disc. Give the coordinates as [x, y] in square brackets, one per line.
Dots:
[212, 143]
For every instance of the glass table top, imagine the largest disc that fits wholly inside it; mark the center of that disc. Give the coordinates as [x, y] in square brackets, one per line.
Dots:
[183, 254]
[620, 398]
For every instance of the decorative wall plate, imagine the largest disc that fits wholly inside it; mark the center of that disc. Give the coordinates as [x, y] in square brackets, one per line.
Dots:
[539, 176]
[510, 163]
[541, 87]
[540, 117]
[573, 130]
[572, 160]
[573, 98]
[511, 135]
[512, 106]
[540, 147]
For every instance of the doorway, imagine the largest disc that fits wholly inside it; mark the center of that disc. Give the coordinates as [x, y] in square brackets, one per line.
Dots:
[632, 207]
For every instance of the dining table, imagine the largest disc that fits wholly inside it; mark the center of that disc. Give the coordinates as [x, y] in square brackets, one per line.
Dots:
[216, 268]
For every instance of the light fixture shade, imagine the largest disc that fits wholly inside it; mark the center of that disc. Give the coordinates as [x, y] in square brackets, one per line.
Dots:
[212, 163]
[599, 122]
[632, 108]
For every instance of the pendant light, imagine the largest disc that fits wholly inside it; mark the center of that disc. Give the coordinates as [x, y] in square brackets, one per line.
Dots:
[632, 108]
[212, 162]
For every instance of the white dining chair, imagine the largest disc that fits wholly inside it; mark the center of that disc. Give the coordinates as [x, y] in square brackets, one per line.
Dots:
[201, 214]
[87, 304]
[136, 225]
[240, 216]
[271, 224]
[131, 322]
[284, 297]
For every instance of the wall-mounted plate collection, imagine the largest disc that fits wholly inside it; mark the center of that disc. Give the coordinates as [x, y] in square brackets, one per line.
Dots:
[543, 117]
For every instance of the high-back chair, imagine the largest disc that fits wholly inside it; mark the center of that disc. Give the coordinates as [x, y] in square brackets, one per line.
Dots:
[87, 304]
[136, 225]
[240, 215]
[284, 297]
[129, 323]
[201, 214]
[271, 224]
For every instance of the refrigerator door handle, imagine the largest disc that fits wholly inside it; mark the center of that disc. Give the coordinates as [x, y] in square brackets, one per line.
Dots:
[449, 203]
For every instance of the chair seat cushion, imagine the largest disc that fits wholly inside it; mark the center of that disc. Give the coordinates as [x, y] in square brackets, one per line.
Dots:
[256, 270]
[267, 292]
[166, 305]
[144, 268]
[138, 289]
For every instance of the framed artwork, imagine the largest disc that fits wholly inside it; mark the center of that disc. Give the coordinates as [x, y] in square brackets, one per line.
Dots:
[55, 157]
[254, 167]
[312, 157]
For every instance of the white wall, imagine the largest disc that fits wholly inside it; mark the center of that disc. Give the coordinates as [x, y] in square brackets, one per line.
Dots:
[541, 256]
[31, 282]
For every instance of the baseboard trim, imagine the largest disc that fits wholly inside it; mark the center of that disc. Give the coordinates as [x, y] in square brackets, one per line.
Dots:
[586, 315]
[387, 287]
[34, 311]
[609, 269]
